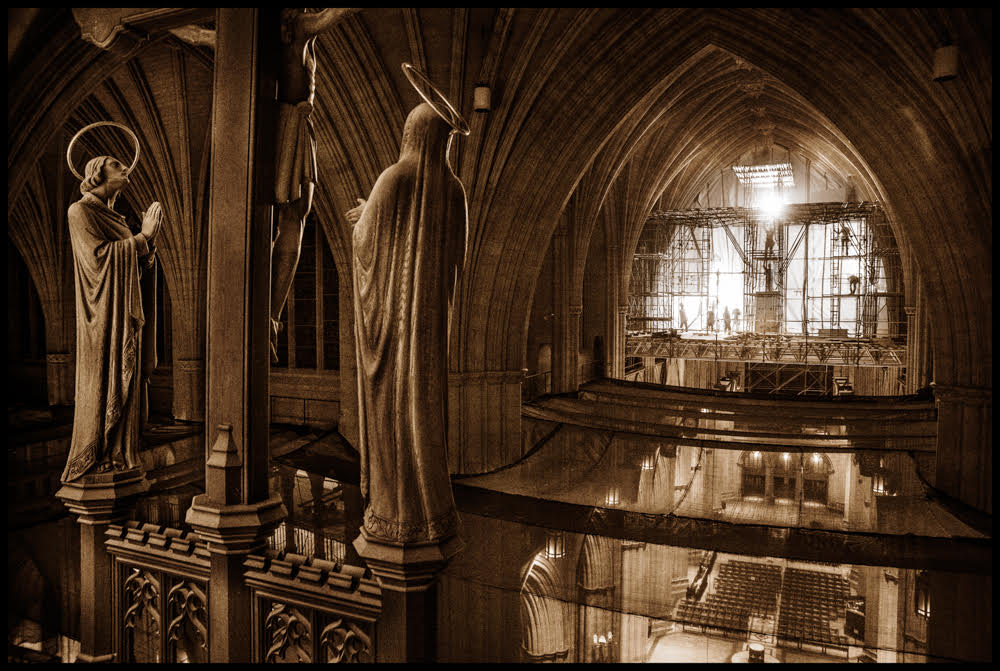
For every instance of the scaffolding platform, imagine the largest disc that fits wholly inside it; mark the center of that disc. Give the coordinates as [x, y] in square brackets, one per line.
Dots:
[761, 348]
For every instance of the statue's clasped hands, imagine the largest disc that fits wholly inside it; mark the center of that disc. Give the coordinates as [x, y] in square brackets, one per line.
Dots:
[152, 220]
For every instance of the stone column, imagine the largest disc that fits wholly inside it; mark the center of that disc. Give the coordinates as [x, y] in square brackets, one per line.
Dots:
[960, 625]
[99, 500]
[768, 480]
[60, 377]
[286, 481]
[615, 367]
[406, 630]
[484, 420]
[566, 323]
[236, 513]
[965, 444]
[189, 389]
[316, 521]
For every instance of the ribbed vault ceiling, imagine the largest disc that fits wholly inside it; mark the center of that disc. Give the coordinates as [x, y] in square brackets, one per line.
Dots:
[663, 99]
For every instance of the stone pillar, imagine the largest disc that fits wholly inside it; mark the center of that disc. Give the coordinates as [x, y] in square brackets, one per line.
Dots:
[189, 389]
[484, 420]
[961, 624]
[768, 480]
[406, 629]
[99, 500]
[286, 480]
[236, 513]
[964, 445]
[60, 374]
[316, 521]
[566, 323]
[615, 366]
[800, 485]
[617, 311]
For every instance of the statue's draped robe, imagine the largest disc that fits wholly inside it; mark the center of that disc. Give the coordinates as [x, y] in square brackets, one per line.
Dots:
[109, 321]
[409, 246]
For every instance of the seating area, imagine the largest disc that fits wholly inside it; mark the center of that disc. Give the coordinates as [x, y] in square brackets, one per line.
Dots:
[740, 590]
[748, 586]
[810, 604]
[712, 615]
[809, 601]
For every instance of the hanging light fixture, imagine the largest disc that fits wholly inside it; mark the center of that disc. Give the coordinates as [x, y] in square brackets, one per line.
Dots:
[481, 98]
[613, 496]
[555, 544]
[945, 63]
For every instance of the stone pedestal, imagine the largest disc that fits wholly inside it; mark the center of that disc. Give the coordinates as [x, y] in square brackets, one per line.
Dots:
[232, 532]
[406, 629]
[99, 500]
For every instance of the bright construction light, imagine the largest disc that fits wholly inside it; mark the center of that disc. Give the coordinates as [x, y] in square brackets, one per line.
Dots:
[771, 204]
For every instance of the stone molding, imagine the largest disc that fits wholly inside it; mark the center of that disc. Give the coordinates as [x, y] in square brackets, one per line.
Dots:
[235, 529]
[316, 583]
[174, 550]
[408, 567]
[487, 376]
[190, 365]
[103, 498]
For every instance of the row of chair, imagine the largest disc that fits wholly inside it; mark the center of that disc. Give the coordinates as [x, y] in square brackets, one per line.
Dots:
[712, 614]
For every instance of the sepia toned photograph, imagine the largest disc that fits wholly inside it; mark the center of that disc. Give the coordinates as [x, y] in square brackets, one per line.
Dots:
[518, 335]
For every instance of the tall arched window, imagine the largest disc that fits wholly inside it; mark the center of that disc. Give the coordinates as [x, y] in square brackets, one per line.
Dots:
[922, 594]
[310, 337]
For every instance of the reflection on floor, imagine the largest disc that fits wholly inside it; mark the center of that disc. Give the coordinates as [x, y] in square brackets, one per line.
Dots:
[687, 648]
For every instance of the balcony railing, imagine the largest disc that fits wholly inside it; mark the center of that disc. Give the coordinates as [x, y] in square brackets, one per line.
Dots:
[304, 608]
[311, 610]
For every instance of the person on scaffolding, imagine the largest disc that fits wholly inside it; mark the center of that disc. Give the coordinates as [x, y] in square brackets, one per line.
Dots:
[855, 282]
[845, 238]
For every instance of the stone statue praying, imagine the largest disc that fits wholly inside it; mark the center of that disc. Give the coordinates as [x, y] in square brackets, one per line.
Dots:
[409, 246]
[115, 344]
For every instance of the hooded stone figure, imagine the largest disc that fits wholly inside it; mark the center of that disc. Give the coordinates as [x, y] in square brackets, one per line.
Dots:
[111, 359]
[409, 246]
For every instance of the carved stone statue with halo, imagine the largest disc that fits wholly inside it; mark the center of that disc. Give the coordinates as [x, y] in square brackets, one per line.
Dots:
[110, 357]
[409, 246]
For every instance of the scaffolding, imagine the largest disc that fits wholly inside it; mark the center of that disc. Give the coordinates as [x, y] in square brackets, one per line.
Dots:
[672, 260]
[821, 286]
[862, 294]
[764, 247]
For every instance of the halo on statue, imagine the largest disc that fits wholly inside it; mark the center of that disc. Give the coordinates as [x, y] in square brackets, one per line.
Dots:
[69, 149]
[448, 112]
